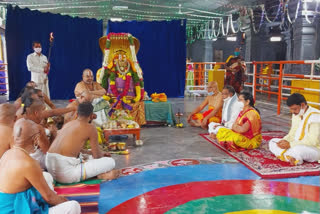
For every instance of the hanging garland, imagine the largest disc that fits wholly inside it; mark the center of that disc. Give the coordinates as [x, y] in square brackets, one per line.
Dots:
[288, 13]
[306, 12]
[209, 29]
[232, 27]
[278, 12]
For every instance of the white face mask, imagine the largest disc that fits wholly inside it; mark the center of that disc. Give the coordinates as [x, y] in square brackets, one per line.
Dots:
[38, 50]
[241, 105]
[211, 93]
[301, 112]
[228, 98]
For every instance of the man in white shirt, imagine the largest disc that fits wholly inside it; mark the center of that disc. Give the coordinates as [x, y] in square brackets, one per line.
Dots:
[38, 65]
[302, 143]
[230, 111]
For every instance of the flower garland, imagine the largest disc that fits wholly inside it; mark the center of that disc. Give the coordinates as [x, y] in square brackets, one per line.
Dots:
[113, 87]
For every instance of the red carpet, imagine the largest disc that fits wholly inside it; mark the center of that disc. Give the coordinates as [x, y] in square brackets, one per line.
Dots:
[86, 194]
[262, 162]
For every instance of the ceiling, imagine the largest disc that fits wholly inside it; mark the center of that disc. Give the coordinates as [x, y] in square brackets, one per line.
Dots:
[195, 11]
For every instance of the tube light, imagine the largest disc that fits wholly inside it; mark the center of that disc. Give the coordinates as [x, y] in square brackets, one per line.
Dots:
[116, 19]
[120, 8]
[275, 39]
[232, 38]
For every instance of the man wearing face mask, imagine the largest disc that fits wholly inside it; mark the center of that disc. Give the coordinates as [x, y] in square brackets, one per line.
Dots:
[39, 66]
[302, 143]
[235, 71]
[214, 102]
[230, 111]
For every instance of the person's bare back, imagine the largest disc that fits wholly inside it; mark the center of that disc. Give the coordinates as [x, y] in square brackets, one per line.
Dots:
[20, 162]
[63, 159]
[7, 119]
[6, 138]
[18, 171]
[72, 137]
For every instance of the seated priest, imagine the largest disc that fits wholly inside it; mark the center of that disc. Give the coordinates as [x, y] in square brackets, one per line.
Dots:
[245, 132]
[33, 85]
[230, 111]
[87, 84]
[214, 102]
[302, 143]
[7, 120]
[23, 187]
[96, 92]
[64, 160]
[34, 109]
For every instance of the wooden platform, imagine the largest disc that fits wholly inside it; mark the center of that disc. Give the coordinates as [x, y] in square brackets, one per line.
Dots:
[135, 132]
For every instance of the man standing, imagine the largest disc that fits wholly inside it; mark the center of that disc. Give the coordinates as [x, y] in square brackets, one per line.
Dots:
[39, 66]
[235, 75]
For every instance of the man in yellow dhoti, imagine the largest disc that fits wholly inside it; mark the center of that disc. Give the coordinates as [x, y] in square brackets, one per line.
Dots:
[302, 143]
[246, 131]
[214, 101]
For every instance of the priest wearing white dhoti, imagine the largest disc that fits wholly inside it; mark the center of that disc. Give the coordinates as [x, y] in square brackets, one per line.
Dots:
[230, 111]
[39, 66]
[302, 143]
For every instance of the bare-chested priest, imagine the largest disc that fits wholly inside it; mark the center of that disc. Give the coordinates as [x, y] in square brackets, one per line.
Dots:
[64, 159]
[7, 120]
[88, 84]
[214, 102]
[23, 188]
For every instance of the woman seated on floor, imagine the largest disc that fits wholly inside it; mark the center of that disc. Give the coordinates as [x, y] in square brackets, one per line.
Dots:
[246, 131]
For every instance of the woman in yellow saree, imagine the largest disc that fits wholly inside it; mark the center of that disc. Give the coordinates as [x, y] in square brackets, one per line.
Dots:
[246, 131]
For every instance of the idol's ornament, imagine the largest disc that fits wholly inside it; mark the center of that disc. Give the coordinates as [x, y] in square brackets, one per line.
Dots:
[121, 74]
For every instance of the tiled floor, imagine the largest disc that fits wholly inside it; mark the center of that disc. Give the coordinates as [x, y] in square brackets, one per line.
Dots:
[221, 186]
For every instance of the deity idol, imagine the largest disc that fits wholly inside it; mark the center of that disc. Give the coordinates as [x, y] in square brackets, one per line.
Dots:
[121, 74]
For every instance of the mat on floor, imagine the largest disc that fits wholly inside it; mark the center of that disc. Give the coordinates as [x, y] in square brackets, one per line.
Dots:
[262, 162]
[86, 193]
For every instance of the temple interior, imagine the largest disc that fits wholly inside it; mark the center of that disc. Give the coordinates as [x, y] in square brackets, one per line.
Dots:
[205, 106]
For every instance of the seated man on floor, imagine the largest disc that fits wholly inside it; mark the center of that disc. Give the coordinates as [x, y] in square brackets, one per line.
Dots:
[46, 99]
[64, 159]
[32, 111]
[214, 102]
[101, 106]
[230, 111]
[23, 187]
[87, 84]
[85, 96]
[32, 85]
[245, 133]
[302, 143]
[7, 120]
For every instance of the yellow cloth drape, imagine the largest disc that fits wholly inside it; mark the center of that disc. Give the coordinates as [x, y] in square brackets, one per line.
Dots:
[216, 118]
[251, 139]
[234, 141]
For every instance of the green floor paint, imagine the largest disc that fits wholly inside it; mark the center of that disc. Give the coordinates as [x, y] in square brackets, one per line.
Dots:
[90, 181]
[233, 203]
